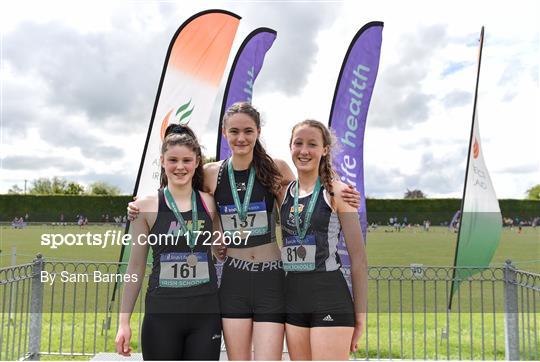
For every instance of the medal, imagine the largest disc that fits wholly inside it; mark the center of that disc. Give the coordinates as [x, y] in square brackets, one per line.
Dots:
[301, 251]
[192, 260]
[241, 208]
[309, 213]
[194, 221]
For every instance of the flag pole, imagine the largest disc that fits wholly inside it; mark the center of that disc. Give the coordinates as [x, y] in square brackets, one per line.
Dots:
[467, 167]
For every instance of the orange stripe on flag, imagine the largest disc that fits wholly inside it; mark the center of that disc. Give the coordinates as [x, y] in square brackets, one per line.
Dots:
[203, 46]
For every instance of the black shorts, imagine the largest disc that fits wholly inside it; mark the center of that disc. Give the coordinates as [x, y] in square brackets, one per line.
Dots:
[318, 299]
[253, 290]
[189, 333]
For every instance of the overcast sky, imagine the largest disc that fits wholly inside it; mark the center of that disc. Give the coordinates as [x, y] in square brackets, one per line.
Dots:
[79, 79]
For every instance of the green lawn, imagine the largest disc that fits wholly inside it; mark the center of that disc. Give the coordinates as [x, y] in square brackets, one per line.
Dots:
[436, 247]
[390, 333]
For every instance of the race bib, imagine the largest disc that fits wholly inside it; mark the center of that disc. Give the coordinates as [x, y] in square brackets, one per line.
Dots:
[176, 272]
[298, 256]
[256, 221]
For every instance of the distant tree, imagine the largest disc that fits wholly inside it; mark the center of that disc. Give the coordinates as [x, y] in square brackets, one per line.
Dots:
[73, 188]
[534, 193]
[55, 186]
[15, 190]
[208, 159]
[103, 188]
[414, 194]
[41, 186]
[58, 185]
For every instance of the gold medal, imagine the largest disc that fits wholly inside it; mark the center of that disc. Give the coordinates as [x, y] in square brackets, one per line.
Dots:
[301, 251]
[192, 260]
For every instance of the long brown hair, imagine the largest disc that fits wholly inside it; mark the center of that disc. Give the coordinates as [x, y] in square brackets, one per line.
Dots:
[183, 136]
[326, 170]
[266, 170]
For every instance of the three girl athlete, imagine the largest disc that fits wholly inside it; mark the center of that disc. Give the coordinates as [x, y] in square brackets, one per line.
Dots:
[245, 187]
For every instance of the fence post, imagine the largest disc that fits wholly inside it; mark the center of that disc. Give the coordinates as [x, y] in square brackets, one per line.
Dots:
[511, 318]
[36, 308]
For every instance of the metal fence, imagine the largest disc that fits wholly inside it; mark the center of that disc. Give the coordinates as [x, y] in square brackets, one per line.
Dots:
[493, 316]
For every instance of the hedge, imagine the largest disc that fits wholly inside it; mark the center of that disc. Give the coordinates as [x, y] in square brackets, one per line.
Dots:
[49, 208]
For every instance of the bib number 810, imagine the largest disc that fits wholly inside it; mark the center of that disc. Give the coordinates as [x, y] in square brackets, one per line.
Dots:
[292, 255]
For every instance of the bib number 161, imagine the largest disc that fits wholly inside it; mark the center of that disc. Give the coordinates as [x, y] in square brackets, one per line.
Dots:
[184, 271]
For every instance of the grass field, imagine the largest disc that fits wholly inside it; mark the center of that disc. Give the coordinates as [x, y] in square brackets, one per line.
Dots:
[390, 333]
[436, 247]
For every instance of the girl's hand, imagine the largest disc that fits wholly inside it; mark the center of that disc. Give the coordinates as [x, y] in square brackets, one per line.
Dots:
[123, 338]
[351, 196]
[358, 330]
[132, 210]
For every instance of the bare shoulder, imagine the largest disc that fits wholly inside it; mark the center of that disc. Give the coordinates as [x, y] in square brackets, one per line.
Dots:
[337, 188]
[281, 164]
[211, 171]
[212, 167]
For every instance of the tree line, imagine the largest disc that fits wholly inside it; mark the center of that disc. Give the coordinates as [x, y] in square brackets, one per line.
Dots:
[61, 186]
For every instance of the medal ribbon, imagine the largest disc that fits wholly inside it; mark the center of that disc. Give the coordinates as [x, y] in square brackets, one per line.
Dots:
[181, 221]
[309, 213]
[242, 209]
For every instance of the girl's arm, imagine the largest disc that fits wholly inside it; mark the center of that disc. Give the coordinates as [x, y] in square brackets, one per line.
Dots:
[285, 171]
[350, 224]
[349, 194]
[136, 266]
[218, 249]
[211, 171]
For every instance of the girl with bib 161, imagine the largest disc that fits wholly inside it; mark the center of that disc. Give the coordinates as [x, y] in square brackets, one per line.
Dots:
[182, 318]
[323, 322]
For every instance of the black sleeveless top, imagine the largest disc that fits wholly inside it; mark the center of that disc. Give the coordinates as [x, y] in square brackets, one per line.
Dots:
[259, 219]
[325, 226]
[167, 224]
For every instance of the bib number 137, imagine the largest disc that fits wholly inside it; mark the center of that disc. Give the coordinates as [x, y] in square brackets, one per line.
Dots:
[249, 222]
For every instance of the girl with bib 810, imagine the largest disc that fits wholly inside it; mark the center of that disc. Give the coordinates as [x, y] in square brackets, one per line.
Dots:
[322, 322]
[182, 318]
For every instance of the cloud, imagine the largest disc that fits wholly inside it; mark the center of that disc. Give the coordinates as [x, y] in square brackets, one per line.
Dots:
[441, 174]
[454, 67]
[125, 180]
[380, 182]
[420, 143]
[108, 77]
[69, 135]
[457, 98]
[293, 53]
[511, 73]
[520, 169]
[437, 175]
[40, 163]
[401, 101]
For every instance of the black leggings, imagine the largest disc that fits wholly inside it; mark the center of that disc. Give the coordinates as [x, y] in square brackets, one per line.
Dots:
[179, 336]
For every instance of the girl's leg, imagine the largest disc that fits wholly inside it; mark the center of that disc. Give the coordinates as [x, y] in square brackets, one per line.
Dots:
[204, 340]
[237, 332]
[331, 343]
[298, 343]
[162, 337]
[268, 341]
